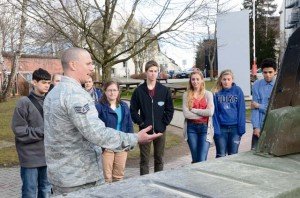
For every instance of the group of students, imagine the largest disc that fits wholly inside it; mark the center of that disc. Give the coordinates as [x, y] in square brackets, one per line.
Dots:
[28, 125]
[218, 117]
[151, 104]
[221, 115]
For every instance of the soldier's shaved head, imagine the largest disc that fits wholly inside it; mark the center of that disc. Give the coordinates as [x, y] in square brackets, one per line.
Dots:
[77, 64]
[71, 54]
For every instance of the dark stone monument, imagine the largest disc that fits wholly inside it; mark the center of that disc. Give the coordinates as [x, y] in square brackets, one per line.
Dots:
[281, 130]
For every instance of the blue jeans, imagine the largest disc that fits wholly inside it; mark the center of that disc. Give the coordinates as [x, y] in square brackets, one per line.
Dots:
[228, 141]
[35, 182]
[197, 141]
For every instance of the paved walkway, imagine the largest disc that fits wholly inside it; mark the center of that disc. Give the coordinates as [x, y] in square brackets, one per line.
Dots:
[186, 160]
[10, 182]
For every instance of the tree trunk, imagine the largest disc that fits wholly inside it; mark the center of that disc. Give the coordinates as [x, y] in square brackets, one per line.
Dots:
[2, 67]
[17, 54]
[106, 72]
[136, 66]
[211, 57]
[211, 74]
[97, 75]
[141, 67]
[211, 64]
[211, 61]
[12, 77]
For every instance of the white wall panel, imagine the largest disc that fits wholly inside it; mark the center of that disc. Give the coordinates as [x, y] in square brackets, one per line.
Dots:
[234, 47]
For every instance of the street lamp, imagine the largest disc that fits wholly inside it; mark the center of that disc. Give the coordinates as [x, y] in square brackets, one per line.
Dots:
[254, 66]
[126, 64]
[126, 67]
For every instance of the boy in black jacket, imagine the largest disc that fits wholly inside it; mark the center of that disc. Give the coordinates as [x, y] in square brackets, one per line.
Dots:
[151, 104]
[28, 127]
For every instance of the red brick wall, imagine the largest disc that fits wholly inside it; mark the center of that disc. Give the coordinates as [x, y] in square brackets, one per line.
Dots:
[29, 64]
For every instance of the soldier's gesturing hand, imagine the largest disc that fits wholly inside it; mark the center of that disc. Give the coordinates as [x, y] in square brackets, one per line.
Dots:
[144, 137]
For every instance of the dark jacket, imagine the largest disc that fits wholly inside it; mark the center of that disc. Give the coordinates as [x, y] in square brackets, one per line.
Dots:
[96, 94]
[28, 127]
[230, 109]
[110, 117]
[157, 111]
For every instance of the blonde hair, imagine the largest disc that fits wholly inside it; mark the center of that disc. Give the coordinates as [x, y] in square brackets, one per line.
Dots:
[218, 85]
[191, 91]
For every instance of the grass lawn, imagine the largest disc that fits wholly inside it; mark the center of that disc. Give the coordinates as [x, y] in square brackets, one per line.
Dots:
[248, 114]
[208, 84]
[6, 112]
[8, 155]
[178, 101]
[171, 140]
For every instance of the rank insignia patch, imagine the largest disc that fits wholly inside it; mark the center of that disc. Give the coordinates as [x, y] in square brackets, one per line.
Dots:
[82, 110]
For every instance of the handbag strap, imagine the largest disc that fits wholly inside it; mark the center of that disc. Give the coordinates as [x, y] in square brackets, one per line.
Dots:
[36, 104]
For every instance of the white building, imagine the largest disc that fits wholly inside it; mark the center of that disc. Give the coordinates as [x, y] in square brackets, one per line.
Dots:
[166, 64]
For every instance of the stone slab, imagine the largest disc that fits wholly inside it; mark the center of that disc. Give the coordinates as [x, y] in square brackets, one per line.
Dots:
[242, 175]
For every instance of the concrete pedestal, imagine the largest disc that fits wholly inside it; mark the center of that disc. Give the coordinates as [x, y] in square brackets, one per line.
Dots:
[242, 175]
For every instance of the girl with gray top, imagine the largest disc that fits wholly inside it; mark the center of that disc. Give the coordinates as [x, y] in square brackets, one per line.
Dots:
[198, 107]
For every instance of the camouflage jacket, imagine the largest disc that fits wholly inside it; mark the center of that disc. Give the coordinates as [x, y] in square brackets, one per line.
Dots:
[72, 132]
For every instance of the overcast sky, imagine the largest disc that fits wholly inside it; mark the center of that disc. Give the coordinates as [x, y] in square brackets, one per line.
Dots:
[182, 56]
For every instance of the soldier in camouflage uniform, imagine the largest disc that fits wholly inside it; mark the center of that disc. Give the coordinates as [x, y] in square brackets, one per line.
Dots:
[73, 130]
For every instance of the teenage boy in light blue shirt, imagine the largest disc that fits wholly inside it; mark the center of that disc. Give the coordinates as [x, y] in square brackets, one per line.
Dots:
[261, 93]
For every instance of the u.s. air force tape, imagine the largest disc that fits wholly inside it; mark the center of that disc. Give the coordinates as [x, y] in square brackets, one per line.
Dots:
[82, 110]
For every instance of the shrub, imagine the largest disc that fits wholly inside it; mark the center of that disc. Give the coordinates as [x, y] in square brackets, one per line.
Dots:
[23, 88]
[139, 76]
[163, 75]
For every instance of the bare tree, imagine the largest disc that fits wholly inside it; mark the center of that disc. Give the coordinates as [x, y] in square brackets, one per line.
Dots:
[44, 40]
[9, 26]
[2, 66]
[8, 30]
[94, 26]
[210, 44]
[136, 29]
[17, 54]
[211, 47]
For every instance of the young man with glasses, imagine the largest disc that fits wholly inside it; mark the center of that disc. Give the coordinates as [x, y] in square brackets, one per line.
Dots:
[261, 93]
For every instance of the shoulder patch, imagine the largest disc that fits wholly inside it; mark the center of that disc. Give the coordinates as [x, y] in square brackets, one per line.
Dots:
[82, 110]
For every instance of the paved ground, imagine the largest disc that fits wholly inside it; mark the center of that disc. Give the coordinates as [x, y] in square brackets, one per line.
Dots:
[186, 159]
[10, 183]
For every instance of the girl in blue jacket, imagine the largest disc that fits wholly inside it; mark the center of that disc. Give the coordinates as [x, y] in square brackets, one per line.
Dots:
[230, 115]
[115, 114]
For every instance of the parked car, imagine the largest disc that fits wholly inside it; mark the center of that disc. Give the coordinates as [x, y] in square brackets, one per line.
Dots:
[171, 73]
[259, 75]
[193, 69]
[182, 74]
